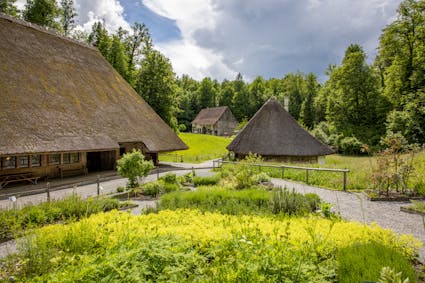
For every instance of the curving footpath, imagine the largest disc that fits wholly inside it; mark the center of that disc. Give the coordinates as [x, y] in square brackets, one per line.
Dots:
[356, 207]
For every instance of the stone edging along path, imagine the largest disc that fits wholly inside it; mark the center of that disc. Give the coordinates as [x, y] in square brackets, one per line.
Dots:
[356, 207]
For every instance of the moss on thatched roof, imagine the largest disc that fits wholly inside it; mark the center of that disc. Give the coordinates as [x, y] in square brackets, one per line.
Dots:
[60, 95]
[273, 132]
[210, 116]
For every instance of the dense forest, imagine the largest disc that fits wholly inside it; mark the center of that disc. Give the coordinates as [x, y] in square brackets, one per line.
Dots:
[358, 103]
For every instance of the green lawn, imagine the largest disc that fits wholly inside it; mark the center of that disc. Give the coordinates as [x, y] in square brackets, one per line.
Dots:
[201, 148]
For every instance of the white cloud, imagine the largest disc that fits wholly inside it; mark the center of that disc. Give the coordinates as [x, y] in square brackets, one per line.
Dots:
[109, 11]
[91, 11]
[269, 37]
[188, 58]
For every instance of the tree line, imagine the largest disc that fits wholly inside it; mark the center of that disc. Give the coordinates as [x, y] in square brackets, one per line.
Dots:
[359, 103]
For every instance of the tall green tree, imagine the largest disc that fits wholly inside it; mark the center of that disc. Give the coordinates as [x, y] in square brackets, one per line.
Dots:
[135, 43]
[401, 61]
[294, 87]
[99, 37]
[355, 105]
[275, 87]
[307, 115]
[156, 84]
[187, 101]
[258, 94]
[207, 93]
[42, 12]
[68, 15]
[117, 57]
[240, 99]
[8, 7]
[227, 92]
[401, 53]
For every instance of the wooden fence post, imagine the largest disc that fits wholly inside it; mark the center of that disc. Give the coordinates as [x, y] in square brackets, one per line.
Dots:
[345, 180]
[48, 191]
[98, 185]
[306, 176]
[283, 172]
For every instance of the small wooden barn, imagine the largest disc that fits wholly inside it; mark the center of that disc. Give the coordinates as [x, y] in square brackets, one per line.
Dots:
[275, 135]
[64, 109]
[218, 121]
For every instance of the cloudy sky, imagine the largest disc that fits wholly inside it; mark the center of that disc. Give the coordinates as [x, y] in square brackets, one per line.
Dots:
[219, 38]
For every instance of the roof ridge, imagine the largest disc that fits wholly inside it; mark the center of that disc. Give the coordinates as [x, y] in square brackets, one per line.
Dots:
[45, 30]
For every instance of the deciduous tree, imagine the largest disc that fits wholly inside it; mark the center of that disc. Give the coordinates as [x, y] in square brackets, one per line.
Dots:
[42, 12]
[156, 84]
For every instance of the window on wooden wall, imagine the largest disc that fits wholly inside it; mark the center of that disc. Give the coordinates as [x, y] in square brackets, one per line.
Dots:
[75, 157]
[10, 162]
[66, 158]
[23, 161]
[54, 159]
[35, 160]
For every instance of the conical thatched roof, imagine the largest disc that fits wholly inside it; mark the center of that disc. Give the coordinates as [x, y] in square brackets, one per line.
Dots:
[60, 95]
[273, 132]
[210, 116]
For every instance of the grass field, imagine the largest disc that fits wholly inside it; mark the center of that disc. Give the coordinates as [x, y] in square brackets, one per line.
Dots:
[201, 148]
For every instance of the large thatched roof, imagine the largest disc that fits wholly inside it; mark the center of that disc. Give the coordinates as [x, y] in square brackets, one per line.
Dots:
[60, 95]
[273, 132]
[210, 116]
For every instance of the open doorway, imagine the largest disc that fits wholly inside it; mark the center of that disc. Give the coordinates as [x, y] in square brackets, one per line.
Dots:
[100, 161]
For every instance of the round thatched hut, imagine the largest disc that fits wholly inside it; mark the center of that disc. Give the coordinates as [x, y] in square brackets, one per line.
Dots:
[275, 135]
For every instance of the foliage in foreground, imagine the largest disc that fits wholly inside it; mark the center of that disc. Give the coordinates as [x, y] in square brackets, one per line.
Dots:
[14, 222]
[362, 262]
[189, 245]
[249, 201]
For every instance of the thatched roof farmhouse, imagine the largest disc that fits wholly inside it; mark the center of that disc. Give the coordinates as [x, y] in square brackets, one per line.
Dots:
[274, 134]
[218, 121]
[63, 107]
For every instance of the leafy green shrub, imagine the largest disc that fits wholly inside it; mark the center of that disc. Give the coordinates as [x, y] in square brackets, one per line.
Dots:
[418, 206]
[364, 262]
[388, 275]
[292, 203]
[170, 187]
[186, 178]
[169, 178]
[260, 178]
[133, 165]
[152, 188]
[14, 222]
[206, 181]
[249, 201]
[120, 189]
[218, 199]
[350, 146]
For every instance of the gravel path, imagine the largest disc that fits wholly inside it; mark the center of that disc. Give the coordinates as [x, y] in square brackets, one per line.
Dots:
[355, 206]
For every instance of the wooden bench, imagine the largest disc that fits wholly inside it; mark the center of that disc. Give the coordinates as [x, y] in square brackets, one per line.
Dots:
[19, 177]
[72, 172]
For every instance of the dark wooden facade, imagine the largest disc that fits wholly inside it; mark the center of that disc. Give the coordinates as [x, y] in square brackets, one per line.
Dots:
[218, 121]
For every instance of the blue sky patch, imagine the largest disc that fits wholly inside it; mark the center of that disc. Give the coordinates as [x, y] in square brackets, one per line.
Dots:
[161, 29]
